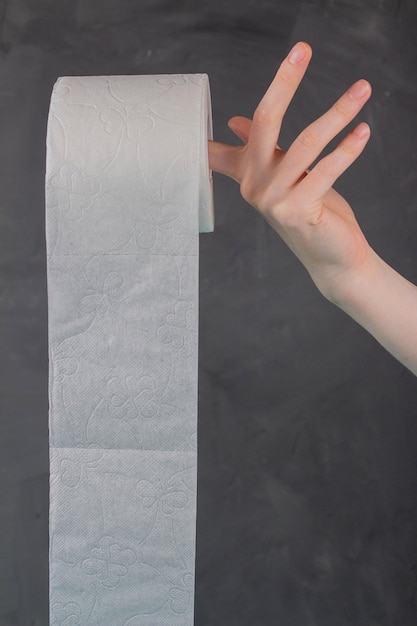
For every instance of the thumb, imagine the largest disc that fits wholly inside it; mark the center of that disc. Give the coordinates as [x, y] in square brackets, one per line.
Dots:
[224, 158]
[240, 126]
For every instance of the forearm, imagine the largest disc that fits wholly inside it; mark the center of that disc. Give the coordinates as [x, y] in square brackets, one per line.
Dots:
[385, 304]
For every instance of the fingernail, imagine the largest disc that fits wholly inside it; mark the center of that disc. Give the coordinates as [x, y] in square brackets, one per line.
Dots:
[358, 90]
[297, 54]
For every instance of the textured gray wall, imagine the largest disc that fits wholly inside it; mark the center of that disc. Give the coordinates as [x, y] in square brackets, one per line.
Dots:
[307, 505]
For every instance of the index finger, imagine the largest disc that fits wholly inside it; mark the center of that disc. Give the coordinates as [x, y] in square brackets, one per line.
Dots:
[267, 118]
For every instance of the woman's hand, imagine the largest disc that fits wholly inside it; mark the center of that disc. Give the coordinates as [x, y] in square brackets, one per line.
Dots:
[313, 219]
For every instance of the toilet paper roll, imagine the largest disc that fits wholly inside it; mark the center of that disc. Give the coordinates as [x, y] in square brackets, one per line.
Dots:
[128, 188]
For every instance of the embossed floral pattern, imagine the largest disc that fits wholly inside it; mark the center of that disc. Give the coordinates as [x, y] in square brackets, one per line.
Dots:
[71, 468]
[179, 330]
[108, 562]
[148, 231]
[119, 121]
[97, 299]
[74, 190]
[132, 398]
[170, 500]
[64, 367]
[68, 614]
[180, 596]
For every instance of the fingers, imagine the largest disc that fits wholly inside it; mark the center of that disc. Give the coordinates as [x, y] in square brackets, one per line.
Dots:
[310, 143]
[323, 176]
[268, 115]
[260, 135]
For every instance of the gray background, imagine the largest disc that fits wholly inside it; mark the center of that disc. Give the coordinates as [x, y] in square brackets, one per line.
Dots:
[307, 499]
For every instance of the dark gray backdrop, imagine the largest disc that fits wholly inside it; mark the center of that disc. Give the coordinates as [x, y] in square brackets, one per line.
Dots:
[307, 498]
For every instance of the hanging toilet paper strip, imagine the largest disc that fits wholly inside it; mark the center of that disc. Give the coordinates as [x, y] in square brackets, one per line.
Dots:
[128, 188]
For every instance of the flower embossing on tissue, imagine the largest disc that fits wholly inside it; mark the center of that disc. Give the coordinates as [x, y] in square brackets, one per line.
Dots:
[68, 614]
[64, 367]
[132, 397]
[103, 289]
[134, 123]
[73, 190]
[71, 469]
[170, 499]
[109, 562]
[161, 214]
[180, 596]
[180, 326]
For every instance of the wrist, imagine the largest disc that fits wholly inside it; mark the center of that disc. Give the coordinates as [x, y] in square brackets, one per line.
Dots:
[354, 285]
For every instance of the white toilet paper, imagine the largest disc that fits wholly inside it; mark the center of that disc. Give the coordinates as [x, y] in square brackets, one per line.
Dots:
[128, 188]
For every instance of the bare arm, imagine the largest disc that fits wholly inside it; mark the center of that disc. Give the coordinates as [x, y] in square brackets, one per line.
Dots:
[385, 304]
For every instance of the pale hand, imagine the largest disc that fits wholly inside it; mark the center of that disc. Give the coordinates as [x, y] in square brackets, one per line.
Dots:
[313, 219]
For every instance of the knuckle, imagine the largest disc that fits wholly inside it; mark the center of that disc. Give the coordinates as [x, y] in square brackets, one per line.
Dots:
[284, 76]
[248, 190]
[260, 197]
[308, 138]
[261, 116]
[342, 108]
[347, 147]
[326, 167]
[288, 216]
[285, 215]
